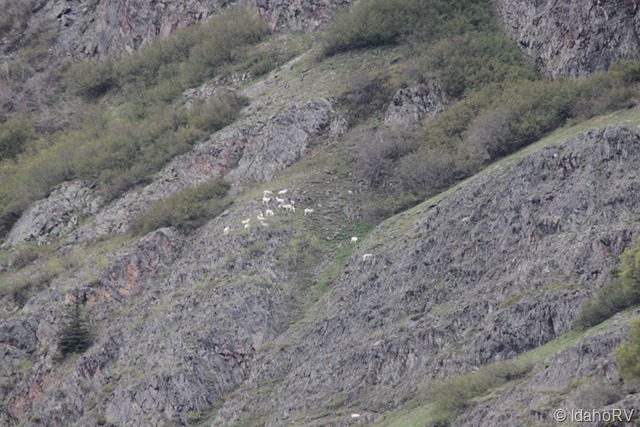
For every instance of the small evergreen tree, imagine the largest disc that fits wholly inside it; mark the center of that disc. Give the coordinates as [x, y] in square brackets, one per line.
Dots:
[75, 337]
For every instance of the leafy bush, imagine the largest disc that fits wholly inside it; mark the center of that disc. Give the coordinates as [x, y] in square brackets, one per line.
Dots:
[216, 112]
[621, 292]
[628, 353]
[226, 39]
[187, 209]
[15, 133]
[370, 23]
[93, 78]
[365, 97]
[166, 66]
[608, 300]
[475, 59]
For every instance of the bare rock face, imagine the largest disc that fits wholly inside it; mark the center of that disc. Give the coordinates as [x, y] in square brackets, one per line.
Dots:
[412, 105]
[57, 215]
[301, 15]
[285, 139]
[576, 37]
[115, 27]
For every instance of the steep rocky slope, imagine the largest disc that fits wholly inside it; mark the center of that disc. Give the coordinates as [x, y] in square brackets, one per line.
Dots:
[492, 270]
[288, 323]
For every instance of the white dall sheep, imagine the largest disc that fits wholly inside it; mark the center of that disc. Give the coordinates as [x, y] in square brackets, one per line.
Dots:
[266, 193]
[289, 208]
[264, 224]
[266, 200]
[366, 257]
[246, 226]
[269, 212]
[280, 201]
[283, 192]
[308, 211]
[226, 230]
[246, 221]
[260, 217]
[354, 239]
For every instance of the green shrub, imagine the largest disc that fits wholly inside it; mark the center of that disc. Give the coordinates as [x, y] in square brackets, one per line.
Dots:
[364, 97]
[475, 59]
[216, 112]
[621, 292]
[608, 300]
[628, 353]
[15, 134]
[187, 209]
[92, 78]
[226, 40]
[370, 23]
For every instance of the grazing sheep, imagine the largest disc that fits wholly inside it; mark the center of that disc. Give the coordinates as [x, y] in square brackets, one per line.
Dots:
[266, 200]
[366, 257]
[264, 224]
[226, 230]
[280, 201]
[308, 211]
[266, 193]
[246, 221]
[289, 208]
[269, 212]
[355, 415]
[354, 239]
[260, 217]
[283, 192]
[246, 226]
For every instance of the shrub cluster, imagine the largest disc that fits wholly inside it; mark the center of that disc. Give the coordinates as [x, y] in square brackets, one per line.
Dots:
[15, 134]
[187, 209]
[621, 292]
[628, 353]
[121, 147]
[374, 23]
[364, 97]
[171, 64]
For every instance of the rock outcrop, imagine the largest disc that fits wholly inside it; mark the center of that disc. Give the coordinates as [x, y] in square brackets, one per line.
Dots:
[414, 105]
[298, 14]
[573, 38]
[57, 215]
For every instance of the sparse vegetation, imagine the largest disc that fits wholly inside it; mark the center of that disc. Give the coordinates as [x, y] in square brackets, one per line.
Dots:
[621, 292]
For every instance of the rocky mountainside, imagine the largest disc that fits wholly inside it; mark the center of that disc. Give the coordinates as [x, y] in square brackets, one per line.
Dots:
[285, 319]
[573, 38]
